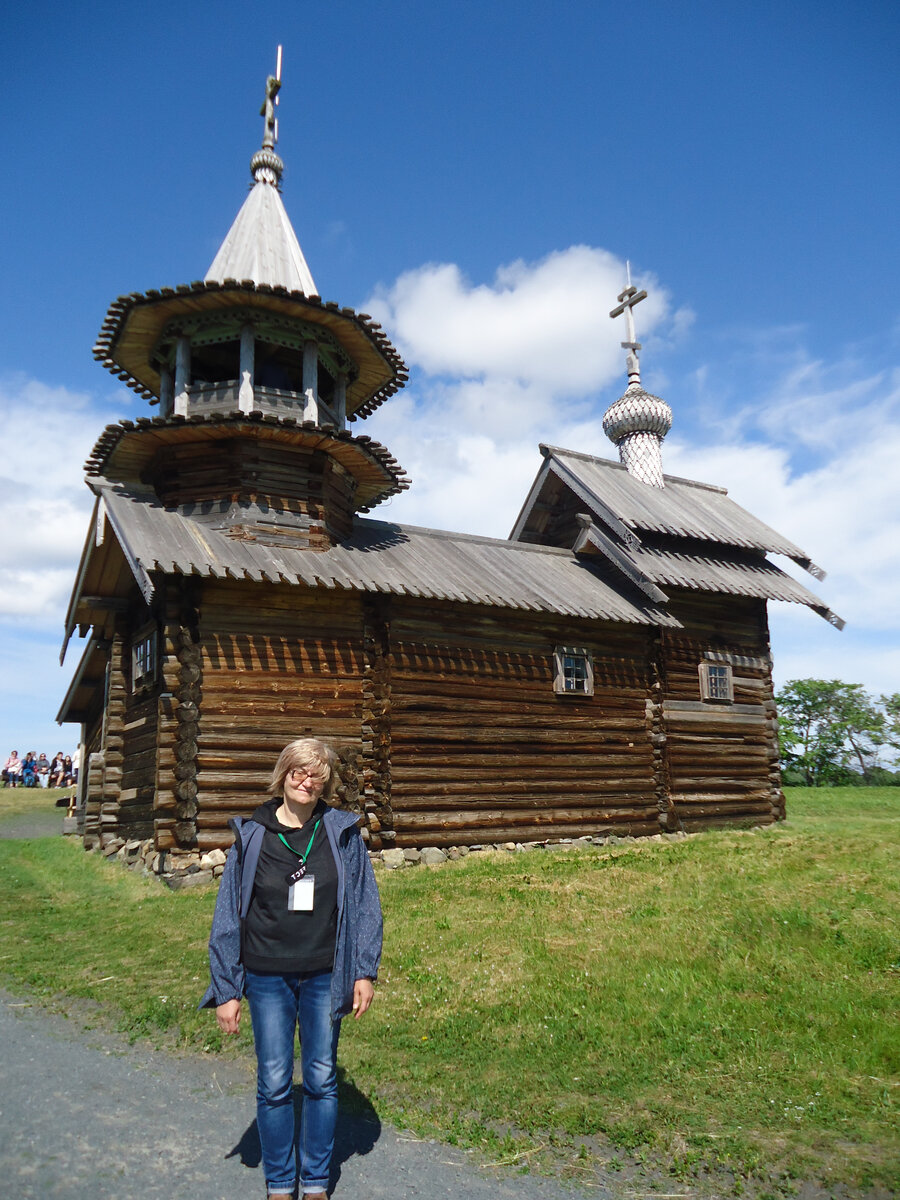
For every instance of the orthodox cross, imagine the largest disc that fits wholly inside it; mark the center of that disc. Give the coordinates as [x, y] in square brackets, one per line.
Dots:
[273, 86]
[627, 300]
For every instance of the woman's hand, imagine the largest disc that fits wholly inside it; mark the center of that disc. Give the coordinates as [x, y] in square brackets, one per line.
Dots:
[228, 1016]
[363, 993]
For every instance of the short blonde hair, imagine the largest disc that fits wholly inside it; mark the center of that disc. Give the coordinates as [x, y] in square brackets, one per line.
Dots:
[310, 755]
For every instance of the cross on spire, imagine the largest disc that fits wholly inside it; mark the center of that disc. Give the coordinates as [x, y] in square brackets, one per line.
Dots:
[627, 300]
[273, 86]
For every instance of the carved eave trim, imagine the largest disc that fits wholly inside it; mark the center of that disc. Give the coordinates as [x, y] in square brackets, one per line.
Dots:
[591, 536]
[90, 541]
[135, 322]
[831, 617]
[95, 652]
[147, 435]
[593, 502]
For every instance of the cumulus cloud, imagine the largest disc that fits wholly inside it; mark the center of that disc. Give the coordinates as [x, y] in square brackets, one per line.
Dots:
[44, 504]
[541, 324]
[498, 368]
[810, 446]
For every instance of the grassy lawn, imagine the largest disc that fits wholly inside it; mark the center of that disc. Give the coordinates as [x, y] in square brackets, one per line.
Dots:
[727, 1000]
[16, 801]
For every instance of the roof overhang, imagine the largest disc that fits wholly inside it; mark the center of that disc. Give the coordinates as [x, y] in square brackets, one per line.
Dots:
[125, 450]
[84, 696]
[135, 323]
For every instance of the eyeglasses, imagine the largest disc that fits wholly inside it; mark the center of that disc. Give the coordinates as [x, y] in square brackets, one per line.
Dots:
[298, 778]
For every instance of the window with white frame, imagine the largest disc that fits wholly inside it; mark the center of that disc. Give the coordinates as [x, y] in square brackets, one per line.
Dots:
[573, 673]
[143, 659]
[716, 683]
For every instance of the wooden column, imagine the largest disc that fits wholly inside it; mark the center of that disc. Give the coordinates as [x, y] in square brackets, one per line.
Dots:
[166, 391]
[248, 349]
[376, 725]
[340, 400]
[311, 381]
[182, 376]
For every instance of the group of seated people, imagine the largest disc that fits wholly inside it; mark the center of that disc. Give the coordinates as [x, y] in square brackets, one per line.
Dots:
[36, 770]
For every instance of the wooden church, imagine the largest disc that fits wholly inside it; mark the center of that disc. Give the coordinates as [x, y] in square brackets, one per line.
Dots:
[606, 669]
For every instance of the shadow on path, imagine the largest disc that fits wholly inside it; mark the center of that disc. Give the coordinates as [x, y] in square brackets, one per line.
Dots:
[358, 1131]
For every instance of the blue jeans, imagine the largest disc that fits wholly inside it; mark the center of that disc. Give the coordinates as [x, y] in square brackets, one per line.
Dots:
[278, 1003]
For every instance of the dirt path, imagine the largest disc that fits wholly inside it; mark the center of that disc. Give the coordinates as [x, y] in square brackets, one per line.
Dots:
[83, 1116]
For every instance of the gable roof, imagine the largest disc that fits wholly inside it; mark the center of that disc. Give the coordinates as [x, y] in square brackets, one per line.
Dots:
[683, 508]
[687, 535]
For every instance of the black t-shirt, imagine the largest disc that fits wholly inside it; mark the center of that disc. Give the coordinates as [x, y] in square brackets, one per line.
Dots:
[273, 938]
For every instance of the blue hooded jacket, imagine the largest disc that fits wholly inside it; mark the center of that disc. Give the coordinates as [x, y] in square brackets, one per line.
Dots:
[357, 951]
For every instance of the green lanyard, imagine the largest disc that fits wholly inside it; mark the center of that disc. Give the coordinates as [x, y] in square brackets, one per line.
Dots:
[302, 857]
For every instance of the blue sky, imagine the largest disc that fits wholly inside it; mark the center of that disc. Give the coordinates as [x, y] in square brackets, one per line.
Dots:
[475, 174]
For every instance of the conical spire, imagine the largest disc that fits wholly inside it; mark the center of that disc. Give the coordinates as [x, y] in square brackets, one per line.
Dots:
[261, 244]
[638, 421]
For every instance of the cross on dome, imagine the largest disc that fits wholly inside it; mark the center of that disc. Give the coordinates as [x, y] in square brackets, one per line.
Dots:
[627, 300]
[273, 86]
[637, 422]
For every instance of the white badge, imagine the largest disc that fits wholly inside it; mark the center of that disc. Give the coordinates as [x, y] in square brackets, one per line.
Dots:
[300, 894]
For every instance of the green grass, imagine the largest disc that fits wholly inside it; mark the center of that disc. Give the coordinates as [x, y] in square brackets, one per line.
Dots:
[15, 801]
[726, 1000]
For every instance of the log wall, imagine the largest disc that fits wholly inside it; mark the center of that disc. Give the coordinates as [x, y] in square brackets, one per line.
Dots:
[444, 717]
[483, 750]
[721, 759]
[275, 663]
[102, 813]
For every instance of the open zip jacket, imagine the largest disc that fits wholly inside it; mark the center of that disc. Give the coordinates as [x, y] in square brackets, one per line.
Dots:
[357, 950]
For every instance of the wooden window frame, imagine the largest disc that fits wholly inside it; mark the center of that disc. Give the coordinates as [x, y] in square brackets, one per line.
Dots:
[560, 655]
[144, 659]
[722, 690]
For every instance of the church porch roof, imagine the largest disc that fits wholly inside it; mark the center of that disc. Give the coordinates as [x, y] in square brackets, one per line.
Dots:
[684, 508]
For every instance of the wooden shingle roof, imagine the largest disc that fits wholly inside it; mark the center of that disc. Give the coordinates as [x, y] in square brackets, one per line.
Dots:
[687, 535]
[379, 557]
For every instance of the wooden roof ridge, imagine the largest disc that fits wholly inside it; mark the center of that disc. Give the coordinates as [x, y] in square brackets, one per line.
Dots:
[612, 465]
[152, 540]
[591, 535]
[473, 538]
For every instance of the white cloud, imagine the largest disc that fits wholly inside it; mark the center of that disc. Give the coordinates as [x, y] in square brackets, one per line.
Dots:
[44, 504]
[809, 446]
[499, 368]
[541, 323]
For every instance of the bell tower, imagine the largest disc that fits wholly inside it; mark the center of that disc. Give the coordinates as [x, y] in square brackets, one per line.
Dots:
[256, 380]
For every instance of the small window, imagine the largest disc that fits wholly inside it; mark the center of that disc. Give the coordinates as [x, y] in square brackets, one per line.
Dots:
[573, 672]
[143, 660]
[716, 683]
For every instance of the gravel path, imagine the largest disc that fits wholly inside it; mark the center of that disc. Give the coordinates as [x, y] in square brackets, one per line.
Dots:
[40, 822]
[84, 1115]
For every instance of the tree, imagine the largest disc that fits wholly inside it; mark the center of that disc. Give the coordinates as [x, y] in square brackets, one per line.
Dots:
[891, 706]
[826, 728]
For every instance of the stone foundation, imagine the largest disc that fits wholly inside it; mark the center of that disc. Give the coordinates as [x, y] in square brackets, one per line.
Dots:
[192, 868]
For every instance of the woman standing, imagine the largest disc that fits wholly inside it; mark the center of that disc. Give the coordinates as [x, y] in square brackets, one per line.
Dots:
[297, 929]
